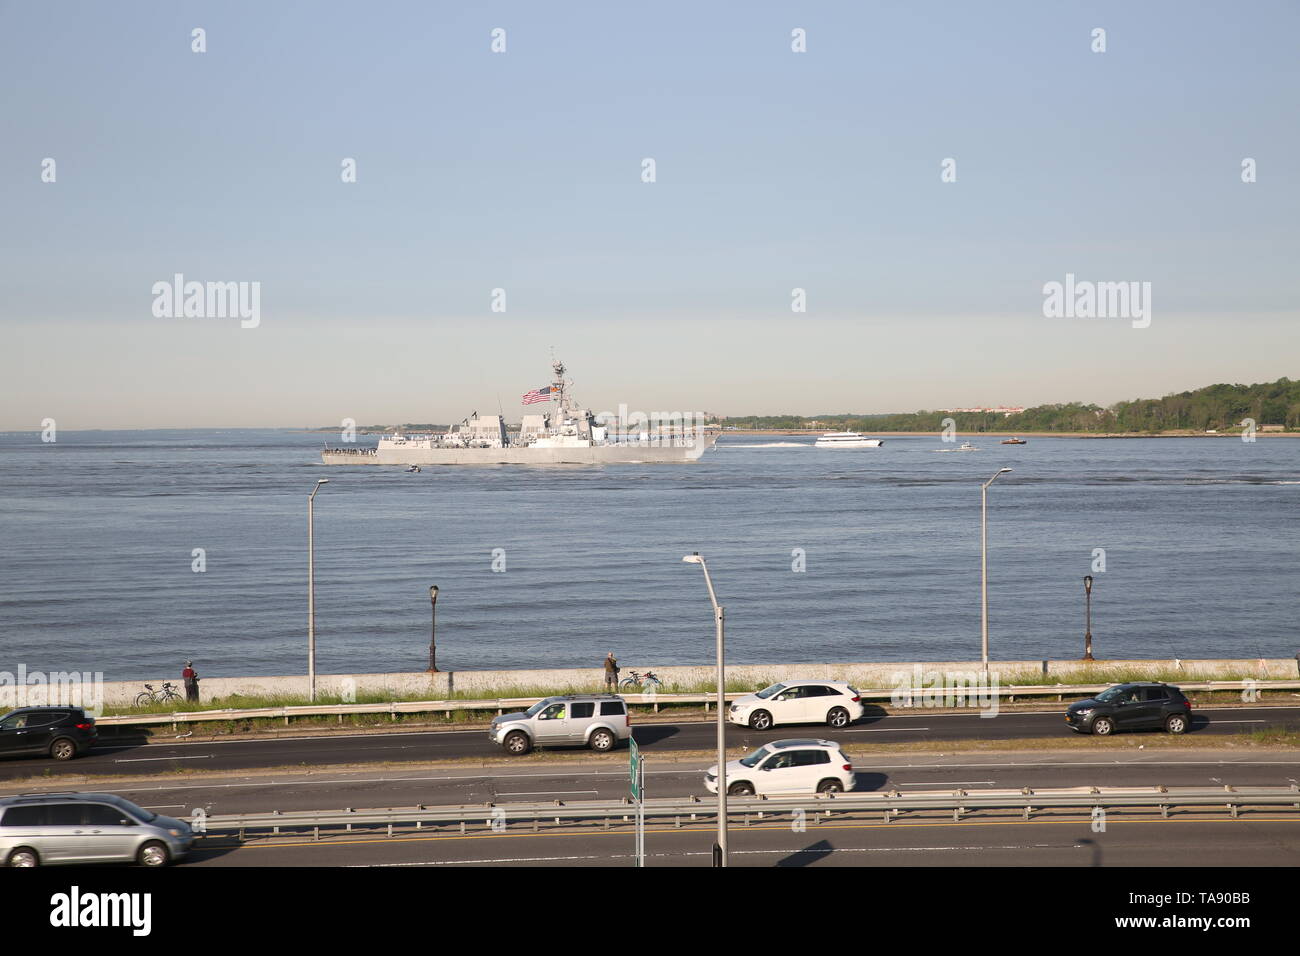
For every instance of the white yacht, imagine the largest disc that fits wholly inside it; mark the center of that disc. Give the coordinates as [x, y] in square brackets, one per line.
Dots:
[847, 440]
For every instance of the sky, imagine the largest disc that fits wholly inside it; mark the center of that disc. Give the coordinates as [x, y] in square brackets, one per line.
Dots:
[523, 171]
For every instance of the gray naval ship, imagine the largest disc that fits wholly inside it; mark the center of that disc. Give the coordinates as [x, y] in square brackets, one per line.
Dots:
[565, 434]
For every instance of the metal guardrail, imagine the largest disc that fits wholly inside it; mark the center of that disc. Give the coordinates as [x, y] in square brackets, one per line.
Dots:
[502, 705]
[888, 804]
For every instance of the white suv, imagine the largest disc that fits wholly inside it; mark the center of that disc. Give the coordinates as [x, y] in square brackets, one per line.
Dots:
[788, 766]
[831, 702]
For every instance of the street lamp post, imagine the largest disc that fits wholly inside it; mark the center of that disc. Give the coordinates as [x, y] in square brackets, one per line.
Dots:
[311, 591]
[719, 616]
[1087, 634]
[433, 629]
[984, 567]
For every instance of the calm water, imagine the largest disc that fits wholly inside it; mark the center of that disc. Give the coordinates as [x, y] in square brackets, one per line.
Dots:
[1202, 541]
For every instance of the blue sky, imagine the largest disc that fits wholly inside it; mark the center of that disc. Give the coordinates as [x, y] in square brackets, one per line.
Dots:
[521, 171]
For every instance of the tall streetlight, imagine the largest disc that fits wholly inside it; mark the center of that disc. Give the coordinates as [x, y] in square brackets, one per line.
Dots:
[1087, 634]
[984, 566]
[311, 591]
[433, 629]
[720, 856]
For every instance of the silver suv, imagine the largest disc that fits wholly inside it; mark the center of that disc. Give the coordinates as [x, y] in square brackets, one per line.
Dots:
[69, 827]
[597, 720]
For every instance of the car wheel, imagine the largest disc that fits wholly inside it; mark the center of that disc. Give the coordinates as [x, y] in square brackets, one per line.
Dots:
[760, 720]
[153, 853]
[742, 789]
[838, 717]
[1176, 723]
[23, 856]
[1103, 726]
[517, 743]
[830, 785]
[602, 740]
[63, 749]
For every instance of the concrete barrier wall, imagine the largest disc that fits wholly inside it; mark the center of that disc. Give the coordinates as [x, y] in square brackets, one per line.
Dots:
[863, 676]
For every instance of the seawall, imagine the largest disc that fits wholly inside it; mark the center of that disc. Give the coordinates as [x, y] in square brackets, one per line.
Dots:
[863, 676]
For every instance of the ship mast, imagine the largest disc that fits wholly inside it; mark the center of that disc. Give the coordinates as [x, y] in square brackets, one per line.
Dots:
[558, 384]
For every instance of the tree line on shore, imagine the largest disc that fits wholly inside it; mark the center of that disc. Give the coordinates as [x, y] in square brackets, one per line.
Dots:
[1217, 407]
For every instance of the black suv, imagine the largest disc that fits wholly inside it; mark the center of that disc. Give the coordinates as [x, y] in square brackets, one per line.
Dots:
[1143, 706]
[61, 732]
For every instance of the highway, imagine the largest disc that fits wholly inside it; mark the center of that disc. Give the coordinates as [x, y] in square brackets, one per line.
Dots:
[1269, 838]
[1272, 841]
[115, 756]
[606, 778]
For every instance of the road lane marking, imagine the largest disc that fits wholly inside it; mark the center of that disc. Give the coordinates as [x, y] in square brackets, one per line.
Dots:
[884, 730]
[154, 759]
[534, 793]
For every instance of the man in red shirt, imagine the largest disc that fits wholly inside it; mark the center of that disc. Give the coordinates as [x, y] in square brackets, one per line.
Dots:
[191, 679]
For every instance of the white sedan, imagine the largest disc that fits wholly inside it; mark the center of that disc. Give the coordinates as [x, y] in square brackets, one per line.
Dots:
[831, 702]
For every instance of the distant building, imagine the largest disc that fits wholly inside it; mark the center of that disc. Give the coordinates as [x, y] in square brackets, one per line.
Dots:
[1006, 411]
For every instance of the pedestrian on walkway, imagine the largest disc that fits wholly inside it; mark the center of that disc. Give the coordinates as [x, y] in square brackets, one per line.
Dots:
[611, 672]
[191, 679]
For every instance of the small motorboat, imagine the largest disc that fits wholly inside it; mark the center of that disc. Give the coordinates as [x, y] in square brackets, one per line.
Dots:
[1014, 441]
[413, 468]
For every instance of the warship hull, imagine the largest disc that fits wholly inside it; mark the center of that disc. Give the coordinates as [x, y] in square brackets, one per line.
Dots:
[563, 434]
[631, 453]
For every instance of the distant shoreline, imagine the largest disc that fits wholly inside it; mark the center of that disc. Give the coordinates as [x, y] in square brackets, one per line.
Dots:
[813, 432]
[999, 434]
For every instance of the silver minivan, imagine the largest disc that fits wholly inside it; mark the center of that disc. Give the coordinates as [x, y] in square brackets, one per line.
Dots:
[596, 720]
[69, 827]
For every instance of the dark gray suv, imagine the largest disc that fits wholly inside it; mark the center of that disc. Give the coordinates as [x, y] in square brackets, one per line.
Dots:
[61, 732]
[1139, 706]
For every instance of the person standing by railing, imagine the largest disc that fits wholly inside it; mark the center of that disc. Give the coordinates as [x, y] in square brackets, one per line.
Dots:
[611, 672]
[191, 679]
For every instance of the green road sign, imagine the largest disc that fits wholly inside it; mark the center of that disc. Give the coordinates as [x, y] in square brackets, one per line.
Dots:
[634, 767]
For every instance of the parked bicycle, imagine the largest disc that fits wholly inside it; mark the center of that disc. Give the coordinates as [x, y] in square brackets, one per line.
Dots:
[150, 696]
[647, 680]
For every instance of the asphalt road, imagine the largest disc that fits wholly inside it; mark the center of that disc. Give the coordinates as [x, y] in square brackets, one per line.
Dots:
[122, 757]
[607, 779]
[1274, 841]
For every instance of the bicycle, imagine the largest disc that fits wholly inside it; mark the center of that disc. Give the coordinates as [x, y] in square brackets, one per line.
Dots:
[648, 679]
[150, 696]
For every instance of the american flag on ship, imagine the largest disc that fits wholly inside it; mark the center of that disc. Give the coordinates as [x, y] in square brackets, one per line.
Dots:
[538, 395]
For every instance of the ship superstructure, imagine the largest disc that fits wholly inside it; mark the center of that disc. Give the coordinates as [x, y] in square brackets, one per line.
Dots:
[565, 433]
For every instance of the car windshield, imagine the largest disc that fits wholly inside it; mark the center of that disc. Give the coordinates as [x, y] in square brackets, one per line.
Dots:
[538, 707]
[148, 816]
[767, 692]
[757, 757]
[1111, 695]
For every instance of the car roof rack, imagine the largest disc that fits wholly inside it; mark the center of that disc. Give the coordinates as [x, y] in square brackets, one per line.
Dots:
[48, 793]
